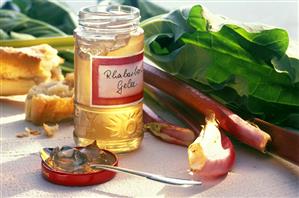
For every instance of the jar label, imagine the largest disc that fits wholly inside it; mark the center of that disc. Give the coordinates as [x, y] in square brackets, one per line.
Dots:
[117, 80]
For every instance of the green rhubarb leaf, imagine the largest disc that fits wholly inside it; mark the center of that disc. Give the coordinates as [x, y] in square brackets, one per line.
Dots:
[53, 12]
[211, 51]
[12, 21]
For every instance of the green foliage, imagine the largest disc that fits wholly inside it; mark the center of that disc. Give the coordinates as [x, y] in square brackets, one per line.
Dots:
[53, 12]
[20, 36]
[68, 56]
[3, 35]
[243, 66]
[12, 21]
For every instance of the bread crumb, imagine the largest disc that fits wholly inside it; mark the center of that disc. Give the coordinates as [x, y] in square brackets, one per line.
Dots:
[69, 80]
[50, 130]
[32, 132]
[22, 134]
[27, 133]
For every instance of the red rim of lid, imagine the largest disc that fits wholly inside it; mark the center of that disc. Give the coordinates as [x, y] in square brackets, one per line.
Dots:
[78, 179]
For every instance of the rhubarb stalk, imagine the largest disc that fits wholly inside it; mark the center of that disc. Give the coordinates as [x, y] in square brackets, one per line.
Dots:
[285, 143]
[165, 130]
[193, 120]
[229, 121]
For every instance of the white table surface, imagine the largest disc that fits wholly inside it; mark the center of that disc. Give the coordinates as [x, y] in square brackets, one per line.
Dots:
[254, 174]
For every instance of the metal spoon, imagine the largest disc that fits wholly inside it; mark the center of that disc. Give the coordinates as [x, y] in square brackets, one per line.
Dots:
[151, 176]
[45, 154]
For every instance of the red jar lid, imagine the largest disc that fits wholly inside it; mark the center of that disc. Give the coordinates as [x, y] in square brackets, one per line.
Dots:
[78, 179]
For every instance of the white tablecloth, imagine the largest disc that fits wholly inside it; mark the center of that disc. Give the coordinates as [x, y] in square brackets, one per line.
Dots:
[254, 174]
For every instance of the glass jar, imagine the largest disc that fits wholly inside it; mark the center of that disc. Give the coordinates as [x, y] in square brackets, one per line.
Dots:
[109, 78]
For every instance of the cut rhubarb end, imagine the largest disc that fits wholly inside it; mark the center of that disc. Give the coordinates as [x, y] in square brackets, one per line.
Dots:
[170, 133]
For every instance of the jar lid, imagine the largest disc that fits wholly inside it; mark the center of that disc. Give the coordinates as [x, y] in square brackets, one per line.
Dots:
[78, 179]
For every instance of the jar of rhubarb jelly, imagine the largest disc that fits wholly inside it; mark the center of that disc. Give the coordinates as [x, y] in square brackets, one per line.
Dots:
[109, 78]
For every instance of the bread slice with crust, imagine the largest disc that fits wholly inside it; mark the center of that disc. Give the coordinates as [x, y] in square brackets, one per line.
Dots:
[50, 102]
[21, 68]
